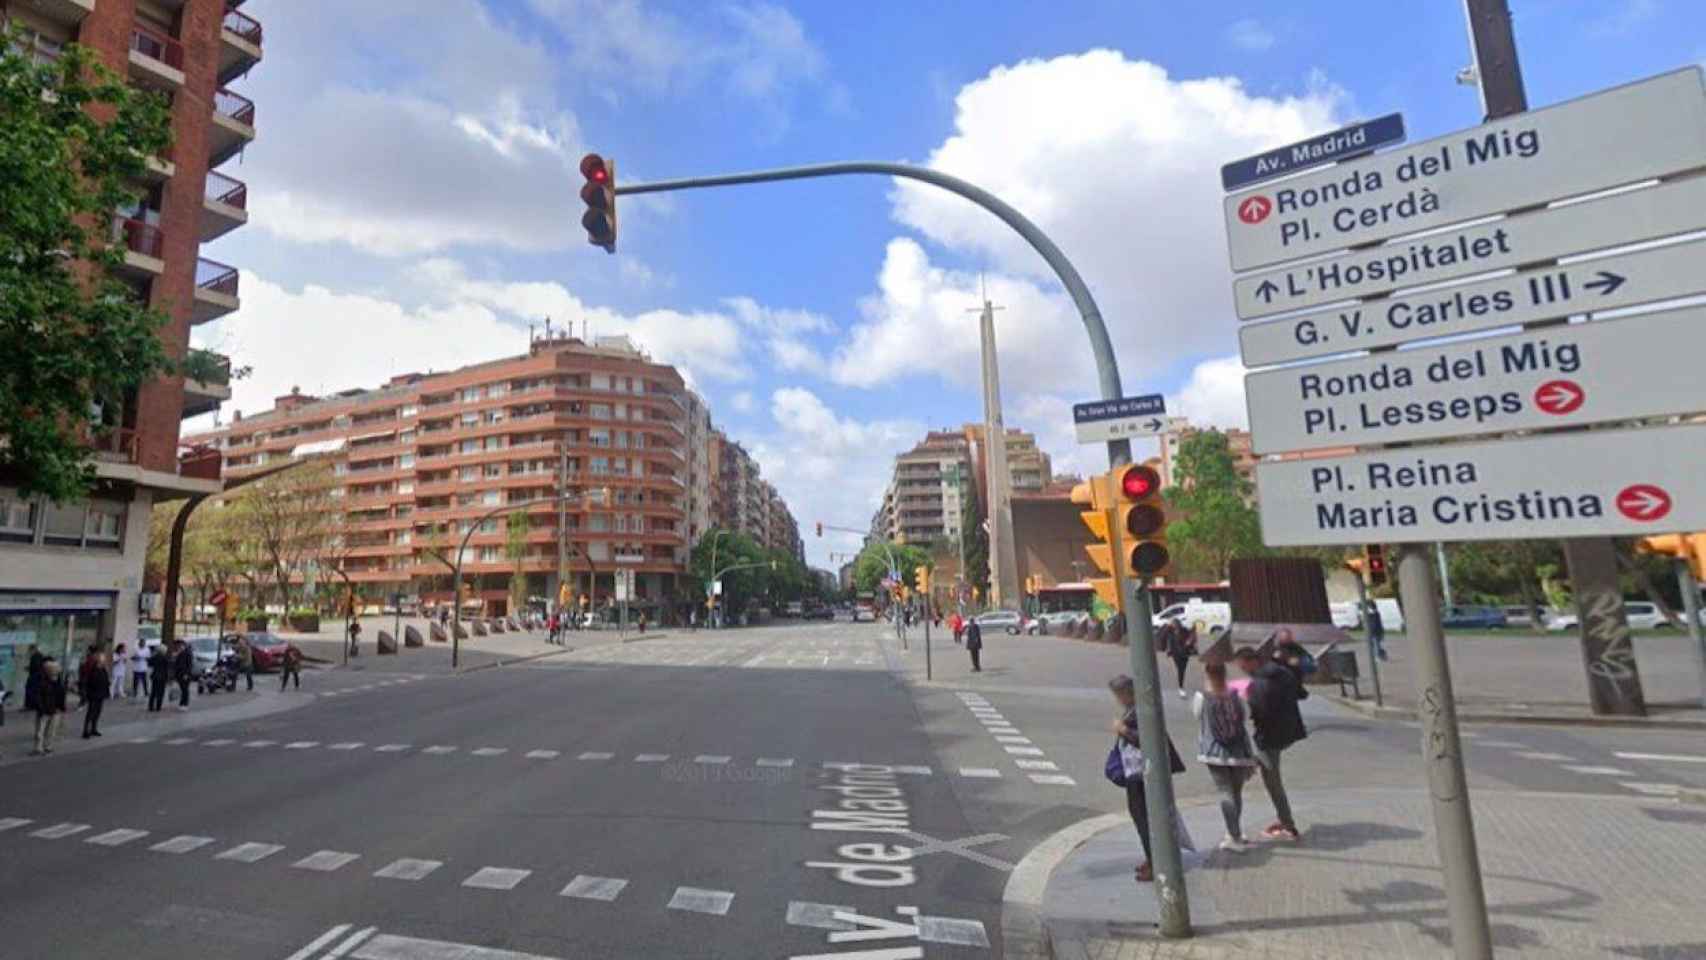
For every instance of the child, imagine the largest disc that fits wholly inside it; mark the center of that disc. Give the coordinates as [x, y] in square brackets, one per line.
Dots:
[1223, 745]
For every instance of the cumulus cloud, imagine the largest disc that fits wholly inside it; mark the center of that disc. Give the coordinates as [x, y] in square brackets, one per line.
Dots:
[1213, 394]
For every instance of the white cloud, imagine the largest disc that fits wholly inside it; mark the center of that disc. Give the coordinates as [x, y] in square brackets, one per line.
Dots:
[1250, 34]
[1213, 395]
[1622, 17]
[742, 401]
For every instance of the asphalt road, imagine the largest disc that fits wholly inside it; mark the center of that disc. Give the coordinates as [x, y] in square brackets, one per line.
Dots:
[780, 792]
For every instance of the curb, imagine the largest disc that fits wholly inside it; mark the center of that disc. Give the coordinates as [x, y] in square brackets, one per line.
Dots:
[504, 663]
[1691, 795]
[1022, 931]
[1539, 719]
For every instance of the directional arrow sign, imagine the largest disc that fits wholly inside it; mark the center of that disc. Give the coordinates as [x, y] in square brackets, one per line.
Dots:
[1622, 135]
[1103, 420]
[1645, 366]
[1595, 484]
[1667, 210]
[1661, 273]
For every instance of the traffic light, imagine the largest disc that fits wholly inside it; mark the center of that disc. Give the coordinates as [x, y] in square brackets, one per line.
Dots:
[922, 574]
[1143, 519]
[1374, 563]
[599, 195]
[1093, 495]
[820, 529]
[1681, 546]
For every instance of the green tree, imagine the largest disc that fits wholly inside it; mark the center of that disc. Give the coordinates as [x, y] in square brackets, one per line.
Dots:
[291, 520]
[75, 343]
[1212, 519]
[977, 542]
[515, 549]
[873, 565]
[732, 549]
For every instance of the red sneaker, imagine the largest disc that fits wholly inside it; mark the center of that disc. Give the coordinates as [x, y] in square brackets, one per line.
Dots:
[1144, 873]
[1280, 831]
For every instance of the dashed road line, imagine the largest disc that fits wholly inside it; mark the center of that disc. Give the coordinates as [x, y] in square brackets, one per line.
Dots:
[496, 878]
[1598, 771]
[583, 887]
[1553, 757]
[408, 869]
[1660, 757]
[701, 900]
[989, 773]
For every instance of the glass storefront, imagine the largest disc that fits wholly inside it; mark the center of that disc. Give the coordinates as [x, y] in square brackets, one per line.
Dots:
[59, 625]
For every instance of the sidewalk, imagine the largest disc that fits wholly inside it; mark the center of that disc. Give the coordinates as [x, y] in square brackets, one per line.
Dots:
[326, 647]
[1567, 875]
[124, 719]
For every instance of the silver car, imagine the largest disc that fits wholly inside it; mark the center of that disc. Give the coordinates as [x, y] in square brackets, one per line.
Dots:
[1008, 620]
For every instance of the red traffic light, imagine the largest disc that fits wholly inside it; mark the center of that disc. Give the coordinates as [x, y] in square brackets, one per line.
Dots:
[1139, 483]
[593, 168]
[599, 195]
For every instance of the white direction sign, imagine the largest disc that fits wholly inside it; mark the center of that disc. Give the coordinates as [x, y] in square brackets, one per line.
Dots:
[1608, 283]
[1596, 484]
[1667, 210]
[1101, 420]
[1563, 376]
[1622, 135]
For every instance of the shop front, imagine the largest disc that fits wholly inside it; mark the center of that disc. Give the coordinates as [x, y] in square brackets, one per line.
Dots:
[60, 624]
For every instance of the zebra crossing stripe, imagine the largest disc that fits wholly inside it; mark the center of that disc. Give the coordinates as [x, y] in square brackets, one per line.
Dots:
[489, 751]
[182, 844]
[984, 772]
[542, 754]
[496, 878]
[1057, 778]
[594, 755]
[116, 838]
[13, 823]
[347, 745]
[701, 900]
[439, 748]
[408, 868]
[301, 744]
[326, 861]
[804, 913]
[775, 761]
[391, 748]
[314, 945]
[583, 887]
[60, 830]
[249, 852]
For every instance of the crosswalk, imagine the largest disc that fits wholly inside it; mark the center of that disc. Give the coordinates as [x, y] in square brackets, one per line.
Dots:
[396, 680]
[1027, 756]
[708, 650]
[1583, 767]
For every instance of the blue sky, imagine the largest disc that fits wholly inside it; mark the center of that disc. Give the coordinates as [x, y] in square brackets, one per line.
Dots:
[413, 191]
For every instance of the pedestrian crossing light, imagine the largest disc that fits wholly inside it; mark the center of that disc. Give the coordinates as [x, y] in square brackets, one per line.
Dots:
[599, 195]
[1374, 563]
[1142, 518]
[1093, 495]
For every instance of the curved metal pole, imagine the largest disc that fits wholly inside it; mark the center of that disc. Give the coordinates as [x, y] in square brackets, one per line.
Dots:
[456, 577]
[741, 566]
[1107, 368]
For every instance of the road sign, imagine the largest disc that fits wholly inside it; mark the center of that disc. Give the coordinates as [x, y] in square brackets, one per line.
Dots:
[1102, 420]
[1318, 151]
[217, 598]
[1645, 366]
[1622, 135]
[1584, 484]
[1667, 210]
[624, 584]
[1660, 273]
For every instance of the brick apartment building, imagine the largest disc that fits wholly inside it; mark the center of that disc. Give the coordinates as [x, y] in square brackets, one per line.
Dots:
[741, 499]
[72, 573]
[926, 495]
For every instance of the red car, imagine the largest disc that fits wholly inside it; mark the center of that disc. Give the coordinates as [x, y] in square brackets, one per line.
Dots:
[268, 648]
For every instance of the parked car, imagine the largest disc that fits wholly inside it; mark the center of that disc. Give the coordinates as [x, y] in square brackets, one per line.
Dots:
[820, 613]
[1204, 615]
[1009, 620]
[1472, 617]
[268, 648]
[1055, 622]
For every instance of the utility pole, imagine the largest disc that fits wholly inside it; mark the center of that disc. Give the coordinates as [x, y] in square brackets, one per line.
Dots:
[1003, 558]
[562, 517]
[1691, 609]
[1444, 573]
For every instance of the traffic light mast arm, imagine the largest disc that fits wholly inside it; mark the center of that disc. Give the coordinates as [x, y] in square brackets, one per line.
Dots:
[1107, 368]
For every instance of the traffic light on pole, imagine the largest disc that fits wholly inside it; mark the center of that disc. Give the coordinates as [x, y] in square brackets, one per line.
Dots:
[820, 529]
[922, 574]
[1690, 547]
[1092, 494]
[1374, 563]
[1143, 519]
[599, 195]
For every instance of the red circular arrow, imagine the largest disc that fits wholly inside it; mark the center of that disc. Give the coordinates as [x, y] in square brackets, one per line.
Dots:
[1559, 397]
[1255, 209]
[1643, 502]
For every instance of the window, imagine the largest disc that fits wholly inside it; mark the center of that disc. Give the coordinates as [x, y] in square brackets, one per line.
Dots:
[489, 526]
[490, 555]
[406, 486]
[409, 410]
[601, 381]
[598, 466]
[470, 473]
[470, 446]
[470, 419]
[490, 498]
[405, 461]
[598, 523]
[598, 438]
[17, 516]
[471, 394]
[64, 525]
[598, 411]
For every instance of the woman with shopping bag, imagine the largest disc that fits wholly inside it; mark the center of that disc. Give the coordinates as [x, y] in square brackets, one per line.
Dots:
[1125, 767]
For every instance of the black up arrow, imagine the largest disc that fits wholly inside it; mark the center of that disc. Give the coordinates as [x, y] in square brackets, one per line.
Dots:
[1606, 283]
[1266, 290]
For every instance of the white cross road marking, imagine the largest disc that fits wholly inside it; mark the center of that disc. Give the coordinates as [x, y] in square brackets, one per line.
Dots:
[439, 748]
[140, 740]
[350, 943]
[775, 761]
[391, 748]
[182, 844]
[496, 878]
[964, 933]
[59, 830]
[804, 913]
[651, 758]
[542, 754]
[408, 869]
[255, 744]
[301, 744]
[1653, 789]
[221, 742]
[326, 861]
[1660, 757]
[710, 758]
[583, 887]
[1024, 751]
[1504, 744]
[349, 745]
[1015, 739]
[314, 945]
[115, 838]
[1598, 771]
[916, 769]
[13, 823]
[1035, 765]
[250, 852]
[595, 755]
[700, 900]
[963, 847]
[178, 741]
[1555, 757]
[387, 946]
[1057, 778]
[490, 751]
[988, 772]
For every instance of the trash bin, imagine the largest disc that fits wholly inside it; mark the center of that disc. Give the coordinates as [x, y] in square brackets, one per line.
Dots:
[1340, 666]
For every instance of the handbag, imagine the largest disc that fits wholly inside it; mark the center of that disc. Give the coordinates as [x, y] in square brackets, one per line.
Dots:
[1114, 768]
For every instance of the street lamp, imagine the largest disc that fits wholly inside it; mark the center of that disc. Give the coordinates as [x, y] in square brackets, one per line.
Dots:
[740, 566]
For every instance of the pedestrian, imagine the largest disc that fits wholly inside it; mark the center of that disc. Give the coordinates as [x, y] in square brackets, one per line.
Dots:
[1132, 767]
[551, 629]
[183, 671]
[1180, 642]
[97, 685]
[974, 645]
[355, 638]
[121, 663]
[245, 660]
[139, 668]
[48, 702]
[1275, 689]
[1376, 631]
[86, 674]
[642, 621]
[1223, 745]
[693, 619]
[957, 624]
[159, 665]
[292, 667]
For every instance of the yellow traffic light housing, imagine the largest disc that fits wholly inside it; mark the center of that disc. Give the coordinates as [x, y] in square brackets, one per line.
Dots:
[1143, 519]
[1093, 495]
[1374, 562]
[1690, 547]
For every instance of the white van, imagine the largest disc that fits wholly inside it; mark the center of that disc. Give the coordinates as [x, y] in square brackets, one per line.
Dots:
[1391, 617]
[1204, 615]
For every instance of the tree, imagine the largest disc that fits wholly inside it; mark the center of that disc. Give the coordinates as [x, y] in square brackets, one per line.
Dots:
[731, 548]
[872, 565]
[515, 549]
[75, 343]
[977, 544]
[291, 519]
[1212, 519]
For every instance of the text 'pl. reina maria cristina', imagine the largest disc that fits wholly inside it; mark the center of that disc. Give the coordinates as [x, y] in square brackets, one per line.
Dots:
[1454, 503]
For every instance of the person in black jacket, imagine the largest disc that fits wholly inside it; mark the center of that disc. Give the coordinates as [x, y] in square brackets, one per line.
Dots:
[1275, 689]
[183, 671]
[46, 696]
[159, 664]
[97, 685]
[974, 644]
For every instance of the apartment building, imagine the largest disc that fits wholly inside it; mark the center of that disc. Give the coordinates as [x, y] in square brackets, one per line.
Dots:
[71, 574]
[700, 480]
[430, 459]
[782, 531]
[924, 499]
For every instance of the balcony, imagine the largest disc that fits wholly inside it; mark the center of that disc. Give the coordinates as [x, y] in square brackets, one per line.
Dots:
[239, 44]
[215, 291]
[224, 206]
[114, 445]
[143, 246]
[207, 382]
[156, 60]
[233, 126]
[69, 13]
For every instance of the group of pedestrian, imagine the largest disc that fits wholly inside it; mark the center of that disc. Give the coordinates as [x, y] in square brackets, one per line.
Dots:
[1240, 732]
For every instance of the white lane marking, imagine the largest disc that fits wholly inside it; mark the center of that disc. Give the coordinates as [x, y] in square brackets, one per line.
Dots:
[59, 830]
[347, 745]
[140, 740]
[221, 742]
[775, 761]
[489, 751]
[1555, 757]
[1035, 765]
[350, 943]
[257, 744]
[965, 933]
[1598, 771]
[496, 878]
[988, 772]
[651, 758]
[387, 946]
[1504, 744]
[391, 748]
[315, 944]
[439, 748]
[326, 861]
[1660, 757]
[116, 838]
[913, 768]
[408, 869]
[595, 755]
[1653, 789]
[249, 852]
[711, 758]
[301, 744]
[1024, 751]
[700, 900]
[542, 754]
[178, 741]
[1059, 778]
[584, 887]
[1024, 740]
[182, 844]
[804, 913]
[13, 823]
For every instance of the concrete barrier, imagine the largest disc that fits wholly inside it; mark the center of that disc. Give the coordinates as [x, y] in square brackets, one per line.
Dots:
[513, 626]
[437, 633]
[387, 643]
[479, 628]
[498, 626]
[458, 631]
[412, 637]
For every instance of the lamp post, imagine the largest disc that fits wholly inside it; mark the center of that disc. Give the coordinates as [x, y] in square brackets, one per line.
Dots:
[741, 566]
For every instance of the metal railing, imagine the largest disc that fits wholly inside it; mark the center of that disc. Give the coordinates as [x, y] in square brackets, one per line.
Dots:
[226, 190]
[138, 237]
[114, 444]
[157, 45]
[234, 105]
[242, 25]
[215, 276]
